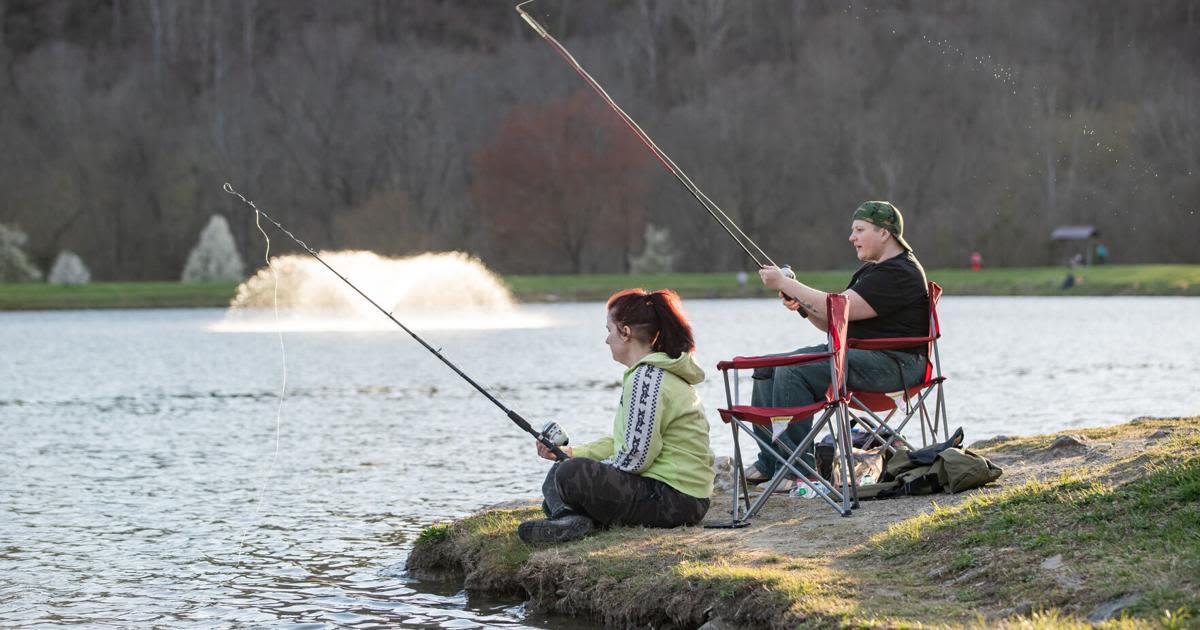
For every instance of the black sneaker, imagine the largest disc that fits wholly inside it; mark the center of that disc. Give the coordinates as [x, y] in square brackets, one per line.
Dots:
[561, 529]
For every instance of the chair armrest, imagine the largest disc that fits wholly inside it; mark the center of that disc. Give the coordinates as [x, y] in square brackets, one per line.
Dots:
[889, 343]
[743, 363]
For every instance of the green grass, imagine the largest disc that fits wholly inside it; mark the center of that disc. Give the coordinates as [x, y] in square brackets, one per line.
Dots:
[1096, 280]
[1115, 537]
[34, 296]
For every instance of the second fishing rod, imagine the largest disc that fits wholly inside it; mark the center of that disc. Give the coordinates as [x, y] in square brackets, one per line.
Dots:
[756, 253]
[547, 436]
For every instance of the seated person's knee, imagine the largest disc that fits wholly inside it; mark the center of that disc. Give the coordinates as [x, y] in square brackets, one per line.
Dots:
[570, 470]
[571, 478]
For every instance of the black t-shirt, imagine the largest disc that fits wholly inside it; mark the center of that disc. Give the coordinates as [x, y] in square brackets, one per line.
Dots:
[896, 288]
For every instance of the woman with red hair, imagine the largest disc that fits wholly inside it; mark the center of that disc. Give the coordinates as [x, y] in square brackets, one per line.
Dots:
[656, 469]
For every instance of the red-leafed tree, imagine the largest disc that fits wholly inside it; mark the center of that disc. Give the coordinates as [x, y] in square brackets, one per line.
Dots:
[562, 188]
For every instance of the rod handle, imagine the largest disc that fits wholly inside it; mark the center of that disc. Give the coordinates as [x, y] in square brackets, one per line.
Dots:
[521, 422]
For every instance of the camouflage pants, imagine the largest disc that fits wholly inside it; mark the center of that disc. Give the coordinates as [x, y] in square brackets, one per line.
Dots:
[614, 497]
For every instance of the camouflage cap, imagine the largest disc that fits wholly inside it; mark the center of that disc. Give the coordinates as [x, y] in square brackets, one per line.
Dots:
[886, 216]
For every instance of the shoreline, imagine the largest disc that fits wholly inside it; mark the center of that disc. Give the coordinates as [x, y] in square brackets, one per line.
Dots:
[1098, 280]
[1084, 526]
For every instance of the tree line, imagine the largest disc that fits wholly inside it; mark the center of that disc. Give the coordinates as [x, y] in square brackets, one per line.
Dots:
[403, 126]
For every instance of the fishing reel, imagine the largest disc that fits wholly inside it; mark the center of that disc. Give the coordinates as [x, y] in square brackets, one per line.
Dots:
[555, 434]
[787, 272]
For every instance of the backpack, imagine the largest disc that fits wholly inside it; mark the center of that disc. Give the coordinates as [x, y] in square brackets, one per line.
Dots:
[933, 469]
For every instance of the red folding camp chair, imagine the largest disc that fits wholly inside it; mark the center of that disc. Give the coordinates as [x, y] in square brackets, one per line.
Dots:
[833, 415]
[877, 411]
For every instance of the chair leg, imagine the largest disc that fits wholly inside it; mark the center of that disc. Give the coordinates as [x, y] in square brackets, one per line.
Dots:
[737, 520]
[847, 446]
[940, 409]
[876, 425]
[792, 463]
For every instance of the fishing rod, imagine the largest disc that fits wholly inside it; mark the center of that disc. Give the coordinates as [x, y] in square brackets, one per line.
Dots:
[713, 209]
[512, 415]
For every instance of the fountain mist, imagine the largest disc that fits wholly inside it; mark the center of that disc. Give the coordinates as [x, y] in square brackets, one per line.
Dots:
[443, 290]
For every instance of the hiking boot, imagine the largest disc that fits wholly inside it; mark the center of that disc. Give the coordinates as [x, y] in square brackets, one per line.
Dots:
[555, 530]
[754, 476]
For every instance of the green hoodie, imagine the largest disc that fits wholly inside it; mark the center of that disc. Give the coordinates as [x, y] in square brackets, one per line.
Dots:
[667, 438]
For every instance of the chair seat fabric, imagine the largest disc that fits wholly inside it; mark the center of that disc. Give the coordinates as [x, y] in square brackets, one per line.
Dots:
[767, 415]
[883, 401]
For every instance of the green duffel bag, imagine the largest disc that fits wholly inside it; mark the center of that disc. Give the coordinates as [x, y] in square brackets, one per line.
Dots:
[960, 469]
[912, 481]
[954, 470]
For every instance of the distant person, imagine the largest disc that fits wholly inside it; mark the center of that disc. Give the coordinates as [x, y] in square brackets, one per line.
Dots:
[1070, 280]
[889, 297]
[976, 261]
[656, 469]
[1101, 253]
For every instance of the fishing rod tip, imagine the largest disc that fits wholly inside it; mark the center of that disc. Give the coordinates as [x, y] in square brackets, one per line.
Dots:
[229, 189]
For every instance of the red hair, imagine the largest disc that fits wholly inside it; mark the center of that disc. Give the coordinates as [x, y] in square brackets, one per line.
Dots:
[656, 318]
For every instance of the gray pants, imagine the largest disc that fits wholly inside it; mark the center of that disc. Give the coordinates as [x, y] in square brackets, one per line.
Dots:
[799, 385]
[615, 497]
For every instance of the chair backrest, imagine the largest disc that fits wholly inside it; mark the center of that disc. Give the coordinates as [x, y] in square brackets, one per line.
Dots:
[935, 326]
[932, 360]
[935, 294]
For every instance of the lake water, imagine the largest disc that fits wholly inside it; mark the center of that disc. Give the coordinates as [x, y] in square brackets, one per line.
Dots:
[136, 445]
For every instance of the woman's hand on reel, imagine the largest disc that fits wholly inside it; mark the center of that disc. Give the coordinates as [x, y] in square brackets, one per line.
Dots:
[545, 453]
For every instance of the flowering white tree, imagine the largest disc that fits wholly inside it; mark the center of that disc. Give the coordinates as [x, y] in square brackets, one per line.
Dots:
[68, 268]
[15, 265]
[215, 256]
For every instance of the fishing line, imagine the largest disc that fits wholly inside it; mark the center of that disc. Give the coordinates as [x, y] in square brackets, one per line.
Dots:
[512, 415]
[264, 483]
[713, 209]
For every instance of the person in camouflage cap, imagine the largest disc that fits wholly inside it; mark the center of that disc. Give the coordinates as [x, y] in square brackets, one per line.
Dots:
[888, 297]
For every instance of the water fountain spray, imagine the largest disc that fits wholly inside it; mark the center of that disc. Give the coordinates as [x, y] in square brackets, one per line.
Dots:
[743, 241]
[548, 441]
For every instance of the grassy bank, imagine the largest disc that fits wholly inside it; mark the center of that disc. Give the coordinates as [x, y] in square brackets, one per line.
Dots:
[1095, 280]
[1098, 280]
[32, 296]
[1109, 529]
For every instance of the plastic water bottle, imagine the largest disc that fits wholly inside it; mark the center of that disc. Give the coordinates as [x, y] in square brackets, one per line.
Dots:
[804, 492]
